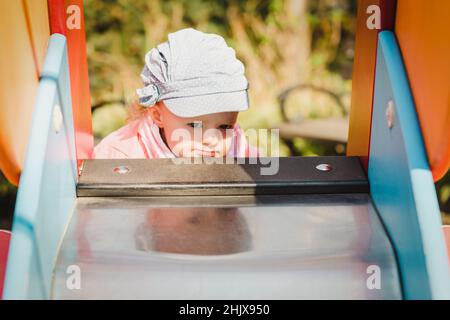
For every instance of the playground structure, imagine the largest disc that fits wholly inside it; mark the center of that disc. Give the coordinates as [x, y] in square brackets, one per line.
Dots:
[161, 231]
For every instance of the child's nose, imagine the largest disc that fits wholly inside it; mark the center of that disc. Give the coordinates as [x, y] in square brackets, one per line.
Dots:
[211, 139]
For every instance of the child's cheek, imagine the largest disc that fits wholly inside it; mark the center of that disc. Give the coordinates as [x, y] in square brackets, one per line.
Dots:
[180, 142]
[226, 143]
[183, 149]
[228, 137]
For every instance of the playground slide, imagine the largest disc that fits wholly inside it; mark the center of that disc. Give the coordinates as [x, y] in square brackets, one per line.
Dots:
[240, 246]
[265, 247]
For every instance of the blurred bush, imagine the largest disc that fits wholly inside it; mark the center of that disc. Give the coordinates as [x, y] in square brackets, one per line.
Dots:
[443, 192]
[7, 200]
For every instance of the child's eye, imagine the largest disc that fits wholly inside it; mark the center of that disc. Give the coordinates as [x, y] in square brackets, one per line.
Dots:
[225, 126]
[195, 124]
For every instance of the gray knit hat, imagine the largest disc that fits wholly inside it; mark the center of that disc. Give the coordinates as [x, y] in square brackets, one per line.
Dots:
[195, 74]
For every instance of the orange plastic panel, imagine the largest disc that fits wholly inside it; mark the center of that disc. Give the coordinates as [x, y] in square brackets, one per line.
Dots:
[67, 18]
[423, 31]
[23, 39]
[364, 75]
[38, 21]
[81, 99]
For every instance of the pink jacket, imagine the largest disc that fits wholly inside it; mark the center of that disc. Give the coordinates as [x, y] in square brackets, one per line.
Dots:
[140, 139]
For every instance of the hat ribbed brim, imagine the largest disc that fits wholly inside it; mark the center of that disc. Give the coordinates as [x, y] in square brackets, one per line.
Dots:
[195, 106]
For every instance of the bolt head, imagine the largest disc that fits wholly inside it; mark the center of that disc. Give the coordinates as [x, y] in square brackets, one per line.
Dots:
[57, 118]
[121, 170]
[325, 167]
[390, 111]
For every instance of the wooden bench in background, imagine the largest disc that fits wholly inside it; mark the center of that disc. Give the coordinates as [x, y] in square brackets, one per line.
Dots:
[331, 130]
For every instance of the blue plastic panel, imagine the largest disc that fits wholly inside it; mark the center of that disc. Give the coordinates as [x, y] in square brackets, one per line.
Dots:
[401, 183]
[47, 185]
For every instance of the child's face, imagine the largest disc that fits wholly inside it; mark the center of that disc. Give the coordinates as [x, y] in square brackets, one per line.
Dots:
[213, 132]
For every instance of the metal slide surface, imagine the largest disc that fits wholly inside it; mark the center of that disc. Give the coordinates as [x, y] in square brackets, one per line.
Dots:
[213, 247]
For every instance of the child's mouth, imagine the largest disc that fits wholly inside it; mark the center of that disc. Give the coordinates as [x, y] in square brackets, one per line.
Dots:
[205, 153]
[208, 153]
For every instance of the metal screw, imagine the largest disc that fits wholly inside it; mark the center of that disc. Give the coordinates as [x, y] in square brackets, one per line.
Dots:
[121, 169]
[390, 114]
[324, 167]
[57, 118]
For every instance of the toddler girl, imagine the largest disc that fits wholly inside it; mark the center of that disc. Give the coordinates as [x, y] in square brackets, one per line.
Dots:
[194, 88]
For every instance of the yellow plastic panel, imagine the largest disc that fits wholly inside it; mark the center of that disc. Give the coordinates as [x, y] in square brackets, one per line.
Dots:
[18, 79]
[40, 28]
